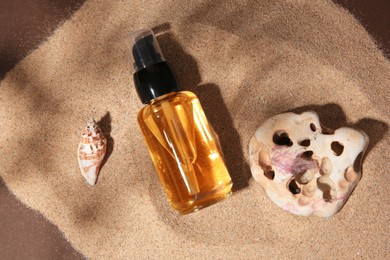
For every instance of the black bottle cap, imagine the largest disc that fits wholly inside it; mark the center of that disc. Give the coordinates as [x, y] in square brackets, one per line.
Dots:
[153, 76]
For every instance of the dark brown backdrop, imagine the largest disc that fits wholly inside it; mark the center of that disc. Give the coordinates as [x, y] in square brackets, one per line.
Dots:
[26, 234]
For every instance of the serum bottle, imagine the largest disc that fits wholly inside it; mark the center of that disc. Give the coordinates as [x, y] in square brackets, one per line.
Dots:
[183, 146]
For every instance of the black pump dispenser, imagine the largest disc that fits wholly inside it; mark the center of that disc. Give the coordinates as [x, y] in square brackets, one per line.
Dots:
[153, 76]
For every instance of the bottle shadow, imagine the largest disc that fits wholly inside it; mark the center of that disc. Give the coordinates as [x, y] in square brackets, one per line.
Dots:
[213, 104]
[105, 125]
[222, 122]
[218, 115]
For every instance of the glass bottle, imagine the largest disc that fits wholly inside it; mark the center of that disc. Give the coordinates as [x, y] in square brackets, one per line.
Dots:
[183, 146]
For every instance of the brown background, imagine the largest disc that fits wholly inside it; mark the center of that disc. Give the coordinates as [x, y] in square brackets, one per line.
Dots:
[23, 25]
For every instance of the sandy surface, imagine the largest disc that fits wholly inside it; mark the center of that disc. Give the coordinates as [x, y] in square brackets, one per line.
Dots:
[246, 62]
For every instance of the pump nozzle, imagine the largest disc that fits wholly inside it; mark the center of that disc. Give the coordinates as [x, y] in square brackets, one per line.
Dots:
[144, 49]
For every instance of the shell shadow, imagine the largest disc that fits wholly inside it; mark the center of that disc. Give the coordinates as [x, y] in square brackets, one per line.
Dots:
[105, 124]
[332, 116]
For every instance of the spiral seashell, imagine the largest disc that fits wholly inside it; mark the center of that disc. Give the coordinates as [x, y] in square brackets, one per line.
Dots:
[91, 151]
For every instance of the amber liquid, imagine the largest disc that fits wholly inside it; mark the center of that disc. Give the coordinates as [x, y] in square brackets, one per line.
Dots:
[185, 151]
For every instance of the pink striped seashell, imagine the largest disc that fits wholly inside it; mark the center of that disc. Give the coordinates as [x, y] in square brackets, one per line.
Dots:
[91, 151]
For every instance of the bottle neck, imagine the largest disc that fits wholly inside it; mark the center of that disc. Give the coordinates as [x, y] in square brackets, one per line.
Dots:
[155, 81]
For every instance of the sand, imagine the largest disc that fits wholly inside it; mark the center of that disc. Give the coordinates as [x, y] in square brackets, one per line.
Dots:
[246, 61]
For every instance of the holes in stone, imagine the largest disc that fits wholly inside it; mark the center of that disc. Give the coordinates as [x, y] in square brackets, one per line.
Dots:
[307, 155]
[305, 143]
[326, 196]
[281, 138]
[337, 148]
[269, 174]
[293, 187]
[313, 127]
